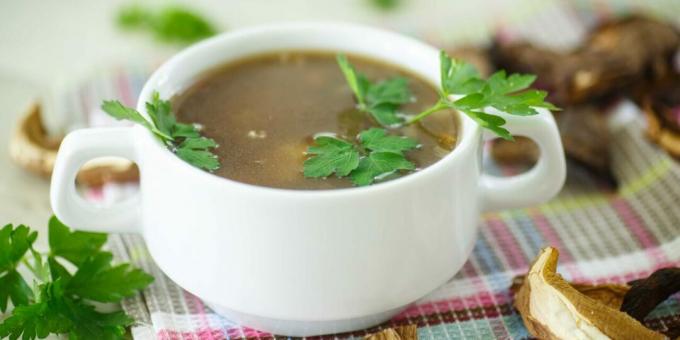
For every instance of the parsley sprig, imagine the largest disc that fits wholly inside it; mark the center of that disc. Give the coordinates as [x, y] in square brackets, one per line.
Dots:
[376, 154]
[381, 99]
[171, 24]
[184, 140]
[61, 301]
[510, 94]
[462, 89]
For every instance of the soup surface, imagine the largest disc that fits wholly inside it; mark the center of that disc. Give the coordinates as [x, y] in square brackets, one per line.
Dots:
[265, 111]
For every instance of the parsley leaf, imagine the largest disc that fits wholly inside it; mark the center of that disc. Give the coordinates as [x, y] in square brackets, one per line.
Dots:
[14, 288]
[75, 246]
[171, 24]
[510, 94]
[194, 150]
[377, 154]
[331, 155]
[378, 140]
[14, 244]
[385, 4]
[57, 312]
[183, 139]
[96, 279]
[60, 302]
[381, 100]
[379, 164]
[38, 319]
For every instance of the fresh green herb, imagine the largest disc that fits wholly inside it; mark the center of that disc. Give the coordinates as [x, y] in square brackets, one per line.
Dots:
[505, 93]
[184, 140]
[171, 24]
[376, 155]
[61, 301]
[382, 100]
[385, 4]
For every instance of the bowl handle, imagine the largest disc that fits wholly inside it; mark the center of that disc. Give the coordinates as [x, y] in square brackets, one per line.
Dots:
[77, 148]
[540, 183]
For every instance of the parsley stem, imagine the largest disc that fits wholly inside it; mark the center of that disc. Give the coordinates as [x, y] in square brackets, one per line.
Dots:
[436, 107]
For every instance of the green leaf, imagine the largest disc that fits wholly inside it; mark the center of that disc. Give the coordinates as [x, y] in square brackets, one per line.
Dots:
[201, 159]
[13, 288]
[185, 130]
[198, 143]
[14, 243]
[57, 270]
[119, 111]
[385, 114]
[472, 101]
[183, 139]
[88, 323]
[39, 267]
[391, 91]
[378, 140]
[458, 77]
[75, 246]
[97, 280]
[161, 115]
[382, 99]
[178, 24]
[26, 322]
[57, 313]
[170, 24]
[386, 4]
[491, 122]
[508, 94]
[38, 319]
[357, 82]
[330, 155]
[377, 165]
[500, 83]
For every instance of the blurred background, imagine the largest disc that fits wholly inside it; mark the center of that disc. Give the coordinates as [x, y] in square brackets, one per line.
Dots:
[50, 48]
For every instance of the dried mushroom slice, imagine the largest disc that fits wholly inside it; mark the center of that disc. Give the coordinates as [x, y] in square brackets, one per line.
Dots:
[609, 294]
[585, 137]
[617, 58]
[408, 332]
[31, 148]
[553, 309]
[644, 295]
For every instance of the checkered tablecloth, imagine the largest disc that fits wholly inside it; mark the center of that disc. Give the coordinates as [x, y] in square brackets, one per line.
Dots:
[602, 235]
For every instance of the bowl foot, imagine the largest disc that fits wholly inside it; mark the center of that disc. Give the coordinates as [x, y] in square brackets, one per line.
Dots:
[303, 328]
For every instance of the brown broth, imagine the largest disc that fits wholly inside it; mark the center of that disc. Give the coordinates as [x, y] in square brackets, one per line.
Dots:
[264, 112]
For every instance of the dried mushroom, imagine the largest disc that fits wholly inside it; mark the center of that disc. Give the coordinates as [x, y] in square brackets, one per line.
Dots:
[662, 109]
[408, 332]
[644, 295]
[585, 137]
[616, 56]
[554, 309]
[609, 294]
[35, 151]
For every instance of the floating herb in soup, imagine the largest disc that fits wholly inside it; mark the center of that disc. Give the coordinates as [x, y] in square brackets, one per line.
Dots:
[304, 120]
